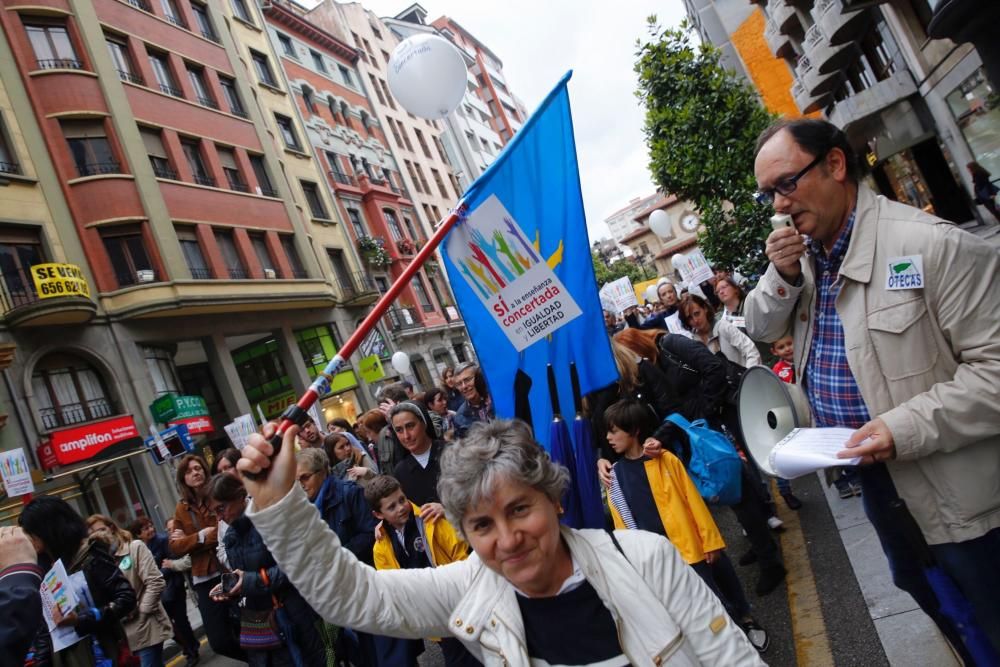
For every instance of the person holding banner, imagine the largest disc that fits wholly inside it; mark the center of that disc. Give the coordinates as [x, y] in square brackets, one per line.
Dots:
[532, 590]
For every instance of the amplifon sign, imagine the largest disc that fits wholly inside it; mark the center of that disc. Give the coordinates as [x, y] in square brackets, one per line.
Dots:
[80, 443]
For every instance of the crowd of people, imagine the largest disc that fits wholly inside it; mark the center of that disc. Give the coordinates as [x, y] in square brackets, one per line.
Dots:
[430, 519]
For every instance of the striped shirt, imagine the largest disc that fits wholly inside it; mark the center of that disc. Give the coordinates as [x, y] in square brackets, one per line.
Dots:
[832, 390]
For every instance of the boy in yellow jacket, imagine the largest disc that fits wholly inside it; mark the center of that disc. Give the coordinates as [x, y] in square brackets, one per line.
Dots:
[409, 542]
[651, 490]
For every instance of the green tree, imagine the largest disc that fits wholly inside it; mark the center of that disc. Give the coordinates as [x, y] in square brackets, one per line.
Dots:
[702, 122]
[621, 268]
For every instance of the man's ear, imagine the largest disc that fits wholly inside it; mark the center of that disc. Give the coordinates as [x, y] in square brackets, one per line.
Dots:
[836, 162]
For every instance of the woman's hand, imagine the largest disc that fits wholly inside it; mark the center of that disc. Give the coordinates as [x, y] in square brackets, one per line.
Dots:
[69, 620]
[358, 472]
[178, 534]
[604, 472]
[280, 471]
[216, 594]
[652, 448]
[712, 556]
[431, 512]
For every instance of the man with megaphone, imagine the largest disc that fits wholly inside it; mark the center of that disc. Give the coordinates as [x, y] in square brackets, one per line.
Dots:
[896, 322]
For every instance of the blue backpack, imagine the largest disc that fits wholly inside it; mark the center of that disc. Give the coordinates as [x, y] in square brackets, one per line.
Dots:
[714, 466]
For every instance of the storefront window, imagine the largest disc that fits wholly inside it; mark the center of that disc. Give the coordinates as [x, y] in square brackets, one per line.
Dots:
[343, 405]
[68, 391]
[317, 345]
[260, 369]
[976, 107]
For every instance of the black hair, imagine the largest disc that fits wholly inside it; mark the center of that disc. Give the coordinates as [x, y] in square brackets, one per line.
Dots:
[342, 423]
[226, 488]
[431, 395]
[633, 417]
[815, 137]
[394, 392]
[230, 454]
[54, 521]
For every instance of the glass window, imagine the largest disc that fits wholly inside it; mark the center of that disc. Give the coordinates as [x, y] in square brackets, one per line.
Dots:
[204, 96]
[309, 99]
[52, 46]
[378, 91]
[227, 157]
[164, 77]
[8, 160]
[69, 391]
[204, 22]
[241, 11]
[318, 61]
[89, 147]
[122, 61]
[259, 243]
[193, 256]
[263, 179]
[127, 252]
[288, 132]
[20, 249]
[392, 222]
[345, 74]
[153, 141]
[161, 368]
[316, 206]
[356, 224]
[263, 68]
[317, 345]
[976, 108]
[388, 95]
[171, 13]
[227, 246]
[232, 96]
[286, 45]
[421, 292]
[192, 151]
[261, 371]
[292, 253]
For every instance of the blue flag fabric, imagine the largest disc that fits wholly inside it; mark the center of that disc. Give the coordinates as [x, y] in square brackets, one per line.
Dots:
[521, 270]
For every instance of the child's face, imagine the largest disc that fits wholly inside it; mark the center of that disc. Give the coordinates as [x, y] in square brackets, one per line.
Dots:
[784, 349]
[621, 441]
[394, 509]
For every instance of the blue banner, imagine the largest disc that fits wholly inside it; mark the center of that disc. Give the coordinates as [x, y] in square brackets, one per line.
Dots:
[521, 269]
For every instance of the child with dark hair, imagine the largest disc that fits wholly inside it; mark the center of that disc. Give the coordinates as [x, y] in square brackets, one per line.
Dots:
[651, 490]
[408, 542]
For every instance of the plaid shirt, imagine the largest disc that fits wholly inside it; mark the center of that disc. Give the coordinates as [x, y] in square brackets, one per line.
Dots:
[832, 390]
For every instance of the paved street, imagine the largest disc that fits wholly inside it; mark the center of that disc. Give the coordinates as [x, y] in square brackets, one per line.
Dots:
[838, 606]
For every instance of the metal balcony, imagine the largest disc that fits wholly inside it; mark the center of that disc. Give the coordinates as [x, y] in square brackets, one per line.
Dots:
[840, 25]
[98, 168]
[401, 319]
[783, 14]
[870, 101]
[357, 289]
[59, 63]
[779, 43]
[814, 81]
[826, 57]
[806, 101]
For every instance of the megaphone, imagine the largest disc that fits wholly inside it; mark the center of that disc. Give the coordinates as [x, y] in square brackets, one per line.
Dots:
[769, 410]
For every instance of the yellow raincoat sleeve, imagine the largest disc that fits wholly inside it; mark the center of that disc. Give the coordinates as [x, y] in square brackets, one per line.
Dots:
[708, 531]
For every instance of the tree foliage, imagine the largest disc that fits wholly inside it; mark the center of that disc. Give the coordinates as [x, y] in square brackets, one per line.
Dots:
[702, 122]
[621, 268]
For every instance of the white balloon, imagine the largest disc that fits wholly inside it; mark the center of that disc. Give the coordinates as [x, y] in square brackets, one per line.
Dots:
[650, 294]
[401, 362]
[678, 259]
[659, 222]
[427, 76]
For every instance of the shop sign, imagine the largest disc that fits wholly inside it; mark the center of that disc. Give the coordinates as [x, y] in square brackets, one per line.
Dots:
[371, 369]
[171, 407]
[196, 425]
[47, 455]
[83, 442]
[54, 280]
[275, 405]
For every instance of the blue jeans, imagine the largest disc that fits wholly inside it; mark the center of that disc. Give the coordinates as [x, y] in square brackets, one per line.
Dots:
[975, 566]
[878, 491]
[151, 656]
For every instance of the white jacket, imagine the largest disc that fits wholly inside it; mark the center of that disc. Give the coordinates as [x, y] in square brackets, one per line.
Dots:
[665, 614]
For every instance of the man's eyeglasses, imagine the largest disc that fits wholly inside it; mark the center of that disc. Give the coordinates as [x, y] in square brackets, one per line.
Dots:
[305, 477]
[462, 382]
[785, 186]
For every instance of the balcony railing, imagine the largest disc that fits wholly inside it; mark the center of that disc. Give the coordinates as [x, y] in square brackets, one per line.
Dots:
[177, 21]
[59, 63]
[238, 273]
[204, 180]
[97, 168]
[17, 289]
[401, 319]
[130, 77]
[207, 102]
[342, 178]
[170, 90]
[75, 413]
[128, 278]
[164, 172]
[839, 24]
[10, 168]
[200, 273]
[140, 4]
[238, 186]
[356, 284]
[268, 191]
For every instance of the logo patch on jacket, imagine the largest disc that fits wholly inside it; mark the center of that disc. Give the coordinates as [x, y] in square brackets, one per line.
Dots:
[905, 273]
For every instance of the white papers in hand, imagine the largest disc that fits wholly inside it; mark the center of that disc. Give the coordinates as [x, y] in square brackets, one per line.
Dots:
[807, 450]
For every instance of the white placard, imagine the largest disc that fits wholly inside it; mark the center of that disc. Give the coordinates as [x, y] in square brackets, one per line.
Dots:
[240, 430]
[619, 295]
[15, 473]
[59, 592]
[693, 267]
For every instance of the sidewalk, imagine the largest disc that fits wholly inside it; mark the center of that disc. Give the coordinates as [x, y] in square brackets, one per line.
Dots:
[908, 636]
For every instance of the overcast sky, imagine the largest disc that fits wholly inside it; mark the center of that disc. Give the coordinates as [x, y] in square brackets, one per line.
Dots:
[538, 40]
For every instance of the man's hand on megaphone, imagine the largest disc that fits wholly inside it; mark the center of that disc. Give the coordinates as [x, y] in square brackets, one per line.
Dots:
[873, 442]
[280, 470]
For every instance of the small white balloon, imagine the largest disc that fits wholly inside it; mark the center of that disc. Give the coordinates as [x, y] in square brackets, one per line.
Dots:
[659, 222]
[650, 294]
[401, 362]
[427, 76]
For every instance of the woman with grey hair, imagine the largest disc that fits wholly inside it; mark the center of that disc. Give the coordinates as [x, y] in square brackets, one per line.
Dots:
[533, 590]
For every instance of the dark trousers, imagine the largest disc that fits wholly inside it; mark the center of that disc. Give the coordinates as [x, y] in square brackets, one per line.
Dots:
[751, 512]
[722, 579]
[183, 634]
[975, 566]
[456, 655]
[877, 492]
[218, 621]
